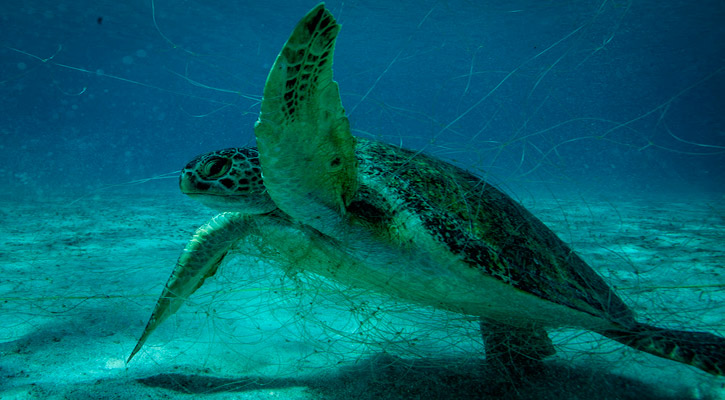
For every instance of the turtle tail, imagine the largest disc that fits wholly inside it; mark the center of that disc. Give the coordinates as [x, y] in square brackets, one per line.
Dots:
[703, 350]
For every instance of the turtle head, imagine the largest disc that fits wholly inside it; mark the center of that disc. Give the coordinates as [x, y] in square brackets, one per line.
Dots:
[227, 180]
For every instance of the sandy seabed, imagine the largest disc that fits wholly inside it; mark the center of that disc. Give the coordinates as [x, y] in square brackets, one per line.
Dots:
[81, 275]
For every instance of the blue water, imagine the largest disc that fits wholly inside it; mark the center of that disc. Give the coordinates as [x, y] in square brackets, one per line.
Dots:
[614, 96]
[604, 100]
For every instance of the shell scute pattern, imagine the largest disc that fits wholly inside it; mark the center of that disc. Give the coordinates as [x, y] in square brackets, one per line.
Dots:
[398, 222]
[483, 227]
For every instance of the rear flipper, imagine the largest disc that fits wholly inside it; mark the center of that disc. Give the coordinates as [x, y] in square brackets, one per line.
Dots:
[514, 352]
[699, 349]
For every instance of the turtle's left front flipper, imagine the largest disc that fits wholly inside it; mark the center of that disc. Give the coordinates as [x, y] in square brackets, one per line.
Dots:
[200, 259]
[306, 149]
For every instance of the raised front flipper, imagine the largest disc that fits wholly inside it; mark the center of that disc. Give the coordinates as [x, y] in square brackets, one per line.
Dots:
[305, 145]
[200, 259]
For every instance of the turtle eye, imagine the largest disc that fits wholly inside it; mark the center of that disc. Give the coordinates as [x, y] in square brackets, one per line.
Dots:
[215, 168]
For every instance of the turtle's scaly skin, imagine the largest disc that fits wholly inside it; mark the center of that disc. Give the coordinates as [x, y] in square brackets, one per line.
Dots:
[400, 189]
[235, 174]
[381, 217]
[199, 260]
[310, 177]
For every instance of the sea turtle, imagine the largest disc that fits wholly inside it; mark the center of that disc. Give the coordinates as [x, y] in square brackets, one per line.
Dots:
[377, 216]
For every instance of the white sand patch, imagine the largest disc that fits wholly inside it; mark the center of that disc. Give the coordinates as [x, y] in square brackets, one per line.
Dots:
[80, 281]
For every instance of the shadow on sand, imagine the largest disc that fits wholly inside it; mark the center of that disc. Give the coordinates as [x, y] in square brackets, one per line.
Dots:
[385, 377]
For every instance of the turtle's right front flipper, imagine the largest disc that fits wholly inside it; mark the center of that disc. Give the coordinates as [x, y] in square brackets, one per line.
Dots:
[200, 259]
[306, 148]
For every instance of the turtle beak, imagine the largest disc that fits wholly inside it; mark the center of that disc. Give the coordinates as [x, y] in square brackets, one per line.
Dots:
[187, 182]
[184, 181]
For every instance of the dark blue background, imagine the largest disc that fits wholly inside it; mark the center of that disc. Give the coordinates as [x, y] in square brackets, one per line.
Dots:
[616, 97]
